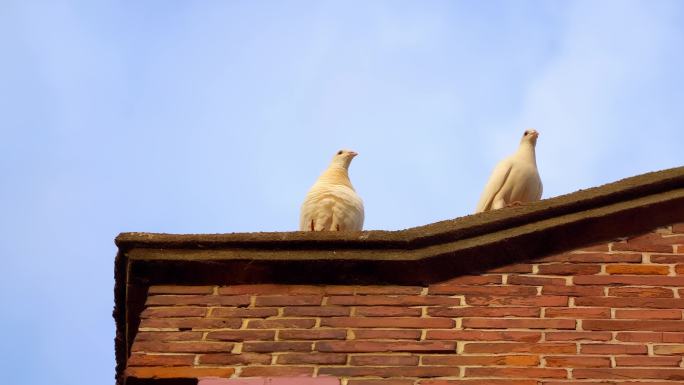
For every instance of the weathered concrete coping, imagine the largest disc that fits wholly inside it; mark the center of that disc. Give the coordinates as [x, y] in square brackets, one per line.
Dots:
[628, 193]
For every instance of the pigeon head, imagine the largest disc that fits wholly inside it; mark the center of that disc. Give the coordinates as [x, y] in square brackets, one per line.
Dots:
[343, 158]
[530, 135]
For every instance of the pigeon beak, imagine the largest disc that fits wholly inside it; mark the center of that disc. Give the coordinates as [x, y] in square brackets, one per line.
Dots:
[353, 154]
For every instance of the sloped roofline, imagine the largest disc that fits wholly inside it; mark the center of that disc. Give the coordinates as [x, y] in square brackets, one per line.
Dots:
[419, 255]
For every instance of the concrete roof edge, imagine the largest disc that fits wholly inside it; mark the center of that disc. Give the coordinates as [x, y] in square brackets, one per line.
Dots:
[421, 236]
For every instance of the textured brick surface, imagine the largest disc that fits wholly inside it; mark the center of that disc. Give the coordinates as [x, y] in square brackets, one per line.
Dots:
[233, 359]
[270, 381]
[578, 361]
[637, 269]
[386, 334]
[609, 314]
[644, 292]
[483, 335]
[579, 336]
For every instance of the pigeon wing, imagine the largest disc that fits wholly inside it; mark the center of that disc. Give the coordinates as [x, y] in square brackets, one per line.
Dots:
[317, 207]
[541, 189]
[348, 210]
[494, 185]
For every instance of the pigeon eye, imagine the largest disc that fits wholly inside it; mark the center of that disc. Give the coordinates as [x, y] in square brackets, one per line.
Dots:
[339, 152]
[527, 133]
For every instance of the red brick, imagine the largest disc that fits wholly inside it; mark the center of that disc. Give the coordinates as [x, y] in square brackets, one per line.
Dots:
[641, 292]
[613, 349]
[317, 311]
[562, 382]
[174, 289]
[679, 269]
[277, 371]
[385, 334]
[161, 360]
[235, 312]
[384, 360]
[668, 258]
[480, 335]
[481, 382]
[516, 372]
[388, 311]
[460, 360]
[577, 312]
[168, 336]
[482, 290]
[289, 300]
[569, 269]
[282, 323]
[678, 228]
[648, 314]
[653, 303]
[182, 347]
[514, 323]
[387, 300]
[578, 336]
[312, 358]
[371, 289]
[673, 337]
[271, 289]
[234, 359]
[649, 242]
[629, 280]
[514, 347]
[512, 268]
[637, 374]
[191, 323]
[384, 381]
[242, 335]
[635, 269]
[388, 322]
[574, 291]
[384, 289]
[517, 301]
[668, 349]
[481, 311]
[315, 334]
[475, 280]
[179, 372]
[578, 361]
[648, 361]
[534, 280]
[639, 337]
[173, 311]
[390, 371]
[389, 346]
[643, 325]
[216, 300]
[593, 258]
[309, 289]
[279, 346]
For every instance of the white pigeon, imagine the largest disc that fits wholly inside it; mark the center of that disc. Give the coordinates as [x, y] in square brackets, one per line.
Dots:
[332, 203]
[515, 180]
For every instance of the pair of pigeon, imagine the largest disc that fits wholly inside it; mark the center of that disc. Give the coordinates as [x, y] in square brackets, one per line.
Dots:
[332, 204]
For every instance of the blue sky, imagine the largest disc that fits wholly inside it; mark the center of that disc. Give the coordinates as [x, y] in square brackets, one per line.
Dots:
[217, 116]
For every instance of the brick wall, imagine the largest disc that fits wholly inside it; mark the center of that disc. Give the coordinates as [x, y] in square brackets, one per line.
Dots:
[609, 314]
